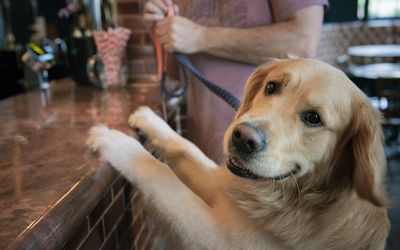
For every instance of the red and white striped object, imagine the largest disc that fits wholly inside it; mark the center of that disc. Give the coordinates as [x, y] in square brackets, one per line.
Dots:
[111, 45]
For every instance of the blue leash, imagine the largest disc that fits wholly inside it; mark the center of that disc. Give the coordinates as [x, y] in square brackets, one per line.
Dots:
[184, 65]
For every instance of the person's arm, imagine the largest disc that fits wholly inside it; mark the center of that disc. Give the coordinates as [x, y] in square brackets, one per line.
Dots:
[299, 34]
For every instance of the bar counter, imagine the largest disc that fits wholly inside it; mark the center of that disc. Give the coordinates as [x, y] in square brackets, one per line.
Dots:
[49, 180]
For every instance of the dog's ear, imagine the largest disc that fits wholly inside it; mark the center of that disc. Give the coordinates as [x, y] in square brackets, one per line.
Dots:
[254, 84]
[369, 157]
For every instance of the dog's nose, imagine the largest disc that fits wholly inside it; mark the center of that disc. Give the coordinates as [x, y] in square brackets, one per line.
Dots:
[248, 139]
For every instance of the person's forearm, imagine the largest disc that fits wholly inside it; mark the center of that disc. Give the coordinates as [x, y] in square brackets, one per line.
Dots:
[257, 45]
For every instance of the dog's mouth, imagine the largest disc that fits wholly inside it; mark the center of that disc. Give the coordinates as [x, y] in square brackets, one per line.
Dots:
[237, 167]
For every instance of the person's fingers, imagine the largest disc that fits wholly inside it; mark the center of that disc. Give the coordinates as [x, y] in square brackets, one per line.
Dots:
[169, 48]
[150, 7]
[153, 17]
[167, 43]
[161, 28]
[176, 9]
[165, 38]
[161, 4]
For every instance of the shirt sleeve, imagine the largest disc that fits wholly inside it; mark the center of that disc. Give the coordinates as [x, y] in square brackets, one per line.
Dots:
[282, 9]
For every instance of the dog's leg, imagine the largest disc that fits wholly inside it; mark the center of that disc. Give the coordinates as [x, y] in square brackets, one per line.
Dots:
[189, 215]
[187, 161]
[174, 147]
[201, 226]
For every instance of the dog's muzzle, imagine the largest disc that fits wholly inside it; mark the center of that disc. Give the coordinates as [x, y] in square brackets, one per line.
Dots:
[237, 167]
[248, 139]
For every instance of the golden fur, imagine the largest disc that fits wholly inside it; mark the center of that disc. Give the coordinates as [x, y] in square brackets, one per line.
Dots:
[341, 198]
[334, 197]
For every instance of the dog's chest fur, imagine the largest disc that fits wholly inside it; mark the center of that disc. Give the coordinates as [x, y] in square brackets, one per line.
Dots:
[349, 219]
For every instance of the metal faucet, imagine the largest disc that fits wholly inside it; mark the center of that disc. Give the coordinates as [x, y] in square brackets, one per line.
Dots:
[41, 55]
[102, 16]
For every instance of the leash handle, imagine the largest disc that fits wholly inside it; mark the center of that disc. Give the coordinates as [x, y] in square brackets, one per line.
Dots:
[158, 51]
[161, 55]
[162, 60]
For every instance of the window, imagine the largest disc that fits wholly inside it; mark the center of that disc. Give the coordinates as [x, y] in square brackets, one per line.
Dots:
[373, 9]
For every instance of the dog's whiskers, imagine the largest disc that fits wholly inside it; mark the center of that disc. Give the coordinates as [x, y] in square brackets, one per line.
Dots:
[216, 135]
[283, 188]
[273, 185]
[295, 181]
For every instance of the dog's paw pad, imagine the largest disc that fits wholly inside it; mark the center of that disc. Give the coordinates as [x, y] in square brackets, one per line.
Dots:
[97, 136]
[140, 116]
[140, 136]
[145, 120]
[113, 145]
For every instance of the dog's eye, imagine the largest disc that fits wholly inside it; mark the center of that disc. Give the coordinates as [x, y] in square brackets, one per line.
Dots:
[311, 118]
[272, 87]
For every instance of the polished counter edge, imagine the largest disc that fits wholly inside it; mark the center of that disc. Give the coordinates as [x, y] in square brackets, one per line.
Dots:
[59, 222]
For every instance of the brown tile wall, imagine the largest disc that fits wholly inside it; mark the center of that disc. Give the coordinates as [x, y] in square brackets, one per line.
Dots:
[107, 223]
[147, 230]
[121, 220]
[140, 49]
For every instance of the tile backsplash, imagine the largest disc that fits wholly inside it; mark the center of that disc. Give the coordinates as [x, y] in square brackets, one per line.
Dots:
[121, 219]
[108, 225]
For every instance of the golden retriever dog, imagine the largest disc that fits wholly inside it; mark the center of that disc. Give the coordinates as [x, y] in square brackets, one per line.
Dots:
[305, 166]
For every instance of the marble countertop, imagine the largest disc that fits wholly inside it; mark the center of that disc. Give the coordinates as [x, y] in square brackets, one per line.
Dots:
[47, 175]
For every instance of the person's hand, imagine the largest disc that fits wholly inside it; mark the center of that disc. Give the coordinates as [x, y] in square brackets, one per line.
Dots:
[155, 10]
[180, 34]
[176, 33]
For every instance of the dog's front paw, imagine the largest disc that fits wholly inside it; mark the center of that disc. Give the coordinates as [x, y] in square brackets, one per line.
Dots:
[151, 125]
[143, 117]
[114, 146]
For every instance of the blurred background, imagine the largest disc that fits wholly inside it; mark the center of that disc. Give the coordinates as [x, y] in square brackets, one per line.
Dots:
[42, 41]
[71, 22]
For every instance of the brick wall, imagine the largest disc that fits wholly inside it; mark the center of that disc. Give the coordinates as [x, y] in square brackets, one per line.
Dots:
[122, 220]
[142, 65]
[107, 226]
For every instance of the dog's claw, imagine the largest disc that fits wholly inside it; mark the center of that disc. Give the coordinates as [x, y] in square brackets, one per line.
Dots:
[140, 136]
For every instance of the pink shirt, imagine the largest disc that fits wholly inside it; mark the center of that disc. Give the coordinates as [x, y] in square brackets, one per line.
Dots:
[208, 116]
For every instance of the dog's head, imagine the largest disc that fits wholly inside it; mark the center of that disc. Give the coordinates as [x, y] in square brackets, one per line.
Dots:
[302, 121]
